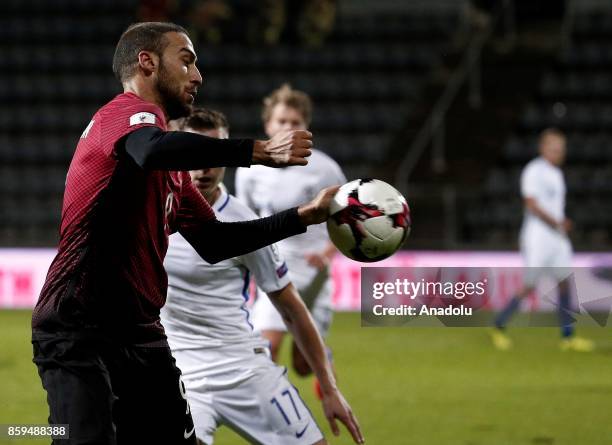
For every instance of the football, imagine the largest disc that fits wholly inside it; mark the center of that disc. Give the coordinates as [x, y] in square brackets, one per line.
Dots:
[369, 220]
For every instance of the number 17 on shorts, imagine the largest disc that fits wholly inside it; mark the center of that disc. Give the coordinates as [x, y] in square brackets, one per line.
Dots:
[291, 418]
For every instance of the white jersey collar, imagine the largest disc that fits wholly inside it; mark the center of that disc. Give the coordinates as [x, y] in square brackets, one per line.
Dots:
[547, 163]
[222, 200]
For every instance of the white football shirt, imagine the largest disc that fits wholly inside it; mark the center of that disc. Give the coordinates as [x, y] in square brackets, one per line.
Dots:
[271, 190]
[206, 304]
[543, 182]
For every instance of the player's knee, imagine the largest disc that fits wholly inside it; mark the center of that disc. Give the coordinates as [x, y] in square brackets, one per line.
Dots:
[275, 340]
[525, 292]
[274, 352]
[300, 365]
[302, 369]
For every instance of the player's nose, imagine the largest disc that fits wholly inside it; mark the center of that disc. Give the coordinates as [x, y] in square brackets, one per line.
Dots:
[196, 77]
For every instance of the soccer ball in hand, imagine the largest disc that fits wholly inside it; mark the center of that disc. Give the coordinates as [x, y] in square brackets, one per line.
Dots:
[369, 220]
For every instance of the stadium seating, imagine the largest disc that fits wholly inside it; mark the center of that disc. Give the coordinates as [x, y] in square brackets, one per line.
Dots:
[576, 96]
[54, 72]
[363, 81]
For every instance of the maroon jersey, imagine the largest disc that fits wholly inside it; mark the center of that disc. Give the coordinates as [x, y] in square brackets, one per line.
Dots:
[116, 219]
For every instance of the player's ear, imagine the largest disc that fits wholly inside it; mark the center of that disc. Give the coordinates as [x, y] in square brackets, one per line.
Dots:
[148, 62]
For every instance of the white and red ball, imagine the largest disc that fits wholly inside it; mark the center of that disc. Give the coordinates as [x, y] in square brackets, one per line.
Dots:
[369, 220]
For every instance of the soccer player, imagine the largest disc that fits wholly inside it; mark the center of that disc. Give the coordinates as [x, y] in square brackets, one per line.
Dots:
[228, 375]
[99, 346]
[545, 245]
[308, 255]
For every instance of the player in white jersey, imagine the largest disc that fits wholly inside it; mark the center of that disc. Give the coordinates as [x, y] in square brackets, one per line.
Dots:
[544, 241]
[228, 374]
[308, 255]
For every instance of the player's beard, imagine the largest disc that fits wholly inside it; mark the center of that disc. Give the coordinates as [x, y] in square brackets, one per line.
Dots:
[171, 96]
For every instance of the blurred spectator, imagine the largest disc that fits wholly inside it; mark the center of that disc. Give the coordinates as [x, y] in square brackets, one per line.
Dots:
[265, 22]
[307, 22]
[209, 18]
[156, 10]
[479, 12]
[312, 21]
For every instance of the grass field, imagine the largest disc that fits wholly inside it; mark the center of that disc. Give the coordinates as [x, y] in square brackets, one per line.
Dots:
[410, 386]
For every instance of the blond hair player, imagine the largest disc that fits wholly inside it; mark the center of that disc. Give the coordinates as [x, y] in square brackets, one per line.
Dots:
[308, 256]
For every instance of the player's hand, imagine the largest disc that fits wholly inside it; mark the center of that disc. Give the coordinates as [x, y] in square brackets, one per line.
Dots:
[317, 210]
[283, 149]
[336, 407]
[567, 225]
[318, 260]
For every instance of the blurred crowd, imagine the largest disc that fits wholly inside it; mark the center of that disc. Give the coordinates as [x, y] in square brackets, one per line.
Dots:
[265, 22]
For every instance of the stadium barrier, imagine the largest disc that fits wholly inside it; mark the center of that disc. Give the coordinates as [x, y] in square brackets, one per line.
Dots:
[23, 271]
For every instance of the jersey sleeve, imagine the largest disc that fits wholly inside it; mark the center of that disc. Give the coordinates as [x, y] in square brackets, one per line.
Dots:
[193, 208]
[337, 174]
[529, 182]
[331, 173]
[268, 268]
[266, 264]
[243, 185]
[118, 122]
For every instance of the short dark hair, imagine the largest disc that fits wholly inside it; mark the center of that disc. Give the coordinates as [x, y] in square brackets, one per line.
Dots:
[144, 36]
[202, 119]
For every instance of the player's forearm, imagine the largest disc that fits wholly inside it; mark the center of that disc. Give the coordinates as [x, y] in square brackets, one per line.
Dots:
[533, 207]
[154, 149]
[302, 327]
[216, 241]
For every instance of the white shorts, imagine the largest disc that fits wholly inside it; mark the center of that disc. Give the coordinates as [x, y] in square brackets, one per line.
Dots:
[264, 408]
[265, 317]
[545, 253]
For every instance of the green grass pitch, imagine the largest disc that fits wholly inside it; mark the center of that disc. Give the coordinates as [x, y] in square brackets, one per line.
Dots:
[410, 386]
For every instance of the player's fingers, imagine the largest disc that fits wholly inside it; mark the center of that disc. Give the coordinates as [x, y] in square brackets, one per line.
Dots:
[294, 160]
[334, 425]
[303, 143]
[354, 429]
[301, 152]
[305, 134]
[332, 190]
[355, 433]
[349, 420]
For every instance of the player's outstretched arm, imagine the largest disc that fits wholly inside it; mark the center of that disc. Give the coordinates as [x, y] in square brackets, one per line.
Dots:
[154, 149]
[215, 240]
[301, 325]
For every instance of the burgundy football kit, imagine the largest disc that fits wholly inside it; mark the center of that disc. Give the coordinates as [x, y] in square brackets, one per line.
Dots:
[98, 343]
